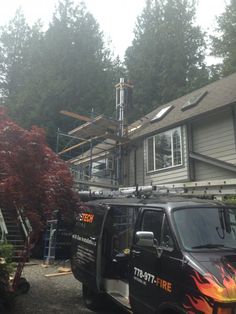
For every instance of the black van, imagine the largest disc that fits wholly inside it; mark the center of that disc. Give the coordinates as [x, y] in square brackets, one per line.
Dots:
[157, 255]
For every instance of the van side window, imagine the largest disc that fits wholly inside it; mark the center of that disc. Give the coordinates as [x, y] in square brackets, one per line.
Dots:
[152, 221]
[119, 229]
[167, 240]
[123, 226]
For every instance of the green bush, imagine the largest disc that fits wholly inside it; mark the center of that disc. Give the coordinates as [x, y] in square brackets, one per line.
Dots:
[6, 264]
[6, 251]
[230, 199]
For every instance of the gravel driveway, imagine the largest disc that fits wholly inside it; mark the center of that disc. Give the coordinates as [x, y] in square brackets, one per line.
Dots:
[55, 295]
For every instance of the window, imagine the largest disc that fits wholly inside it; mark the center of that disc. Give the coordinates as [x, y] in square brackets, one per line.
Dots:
[194, 100]
[153, 221]
[134, 128]
[206, 228]
[89, 220]
[164, 150]
[167, 240]
[161, 114]
[119, 229]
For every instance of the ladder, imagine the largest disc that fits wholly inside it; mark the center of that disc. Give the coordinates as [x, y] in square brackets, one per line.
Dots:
[212, 188]
[50, 242]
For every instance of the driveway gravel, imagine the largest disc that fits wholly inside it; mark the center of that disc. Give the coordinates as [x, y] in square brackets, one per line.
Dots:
[54, 295]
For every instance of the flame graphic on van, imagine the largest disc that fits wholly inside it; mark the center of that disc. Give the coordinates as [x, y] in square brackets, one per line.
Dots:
[210, 287]
[198, 304]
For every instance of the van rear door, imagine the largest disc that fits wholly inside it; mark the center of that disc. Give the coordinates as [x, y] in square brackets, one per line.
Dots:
[86, 245]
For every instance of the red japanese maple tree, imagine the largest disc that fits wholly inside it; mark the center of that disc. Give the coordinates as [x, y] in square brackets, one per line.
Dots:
[32, 176]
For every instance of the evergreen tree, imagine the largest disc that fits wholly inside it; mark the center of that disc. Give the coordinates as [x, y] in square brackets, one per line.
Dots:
[67, 67]
[166, 58]
[17, 49]
[224, 45]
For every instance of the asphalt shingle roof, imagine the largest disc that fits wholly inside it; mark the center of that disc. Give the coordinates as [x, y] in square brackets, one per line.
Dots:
[219, 95]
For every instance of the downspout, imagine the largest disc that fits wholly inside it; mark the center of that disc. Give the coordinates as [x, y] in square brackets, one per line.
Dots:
[190, 147]
[234, 123]
[135, 166]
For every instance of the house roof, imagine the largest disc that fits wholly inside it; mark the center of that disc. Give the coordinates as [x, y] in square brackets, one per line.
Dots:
[216, 95]
[212, 97]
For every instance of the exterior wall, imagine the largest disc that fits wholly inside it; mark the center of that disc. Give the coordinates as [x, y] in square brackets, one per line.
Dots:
[214, 136]
[131, 175]
[139, 166]
[171, 175]
[205, 172]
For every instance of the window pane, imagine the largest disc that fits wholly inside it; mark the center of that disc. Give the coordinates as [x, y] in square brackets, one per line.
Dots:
[200, 228]
[152, 221]
[167, 240]
[177, 147]
[167, 150]
[91, 227]
[150, 154]
[119, 228]
[163, 150]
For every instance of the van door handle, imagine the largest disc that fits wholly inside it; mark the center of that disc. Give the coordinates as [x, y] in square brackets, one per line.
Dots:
[135, 253]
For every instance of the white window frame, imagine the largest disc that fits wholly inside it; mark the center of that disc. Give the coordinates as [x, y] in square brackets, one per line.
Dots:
[172, 151]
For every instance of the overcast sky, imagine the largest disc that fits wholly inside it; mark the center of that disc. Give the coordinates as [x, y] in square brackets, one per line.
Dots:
[116, 18]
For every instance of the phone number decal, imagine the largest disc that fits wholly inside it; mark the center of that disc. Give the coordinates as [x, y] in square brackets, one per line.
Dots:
[144, 278]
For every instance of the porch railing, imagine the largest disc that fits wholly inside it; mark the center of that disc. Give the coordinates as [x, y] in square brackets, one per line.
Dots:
[3, 228]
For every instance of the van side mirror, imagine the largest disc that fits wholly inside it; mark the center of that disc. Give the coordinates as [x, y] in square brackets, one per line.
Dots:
[144, 238]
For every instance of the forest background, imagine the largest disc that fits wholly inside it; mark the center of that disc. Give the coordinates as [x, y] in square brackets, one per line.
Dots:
[70, 66]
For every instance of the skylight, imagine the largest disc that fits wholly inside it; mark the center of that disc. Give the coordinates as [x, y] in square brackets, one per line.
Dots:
[163, 112]
[134, 128]
[194, 100]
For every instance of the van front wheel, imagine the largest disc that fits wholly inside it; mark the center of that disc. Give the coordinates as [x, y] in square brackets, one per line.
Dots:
[92, 300]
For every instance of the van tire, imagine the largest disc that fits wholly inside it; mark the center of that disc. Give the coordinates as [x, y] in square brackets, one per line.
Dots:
[3, 309]
[93, 300]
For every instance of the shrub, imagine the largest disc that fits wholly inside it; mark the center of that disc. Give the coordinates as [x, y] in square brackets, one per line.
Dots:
[6, 265]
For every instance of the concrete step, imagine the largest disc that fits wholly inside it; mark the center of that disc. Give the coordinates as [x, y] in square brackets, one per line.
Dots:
[16, 243]
[14, 228]
[15, 232]
[15, 235]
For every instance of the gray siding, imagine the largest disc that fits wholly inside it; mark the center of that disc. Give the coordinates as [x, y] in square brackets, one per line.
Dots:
[130, 170]
[175, 174]
[131, 179]
[214, 136]
[205, 172]
[140, 164]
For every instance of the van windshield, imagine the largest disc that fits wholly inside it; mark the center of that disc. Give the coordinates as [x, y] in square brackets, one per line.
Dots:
[206, 228]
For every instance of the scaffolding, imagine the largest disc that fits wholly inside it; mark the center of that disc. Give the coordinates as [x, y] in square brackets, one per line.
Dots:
[94, 150]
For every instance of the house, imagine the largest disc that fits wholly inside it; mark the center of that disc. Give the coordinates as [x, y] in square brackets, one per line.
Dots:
[192, 138]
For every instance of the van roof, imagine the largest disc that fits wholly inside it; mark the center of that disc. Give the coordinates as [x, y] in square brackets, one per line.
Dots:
[161, 201]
